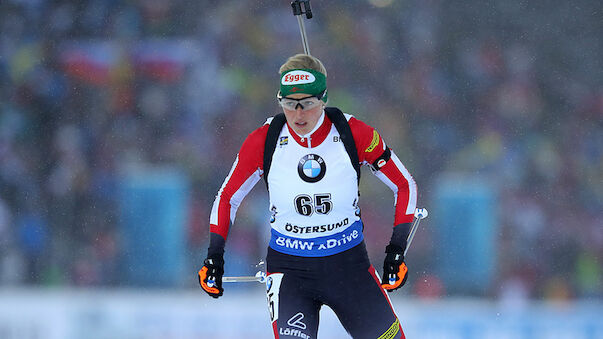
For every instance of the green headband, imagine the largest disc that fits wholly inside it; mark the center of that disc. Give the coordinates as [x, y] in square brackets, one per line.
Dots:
[307, 81]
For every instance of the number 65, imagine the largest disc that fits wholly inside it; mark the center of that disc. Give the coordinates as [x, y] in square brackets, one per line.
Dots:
[305, 205]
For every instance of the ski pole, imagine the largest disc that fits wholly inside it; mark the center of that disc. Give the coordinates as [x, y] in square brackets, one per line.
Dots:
[296, 5]
[260, 276]
[420, 214]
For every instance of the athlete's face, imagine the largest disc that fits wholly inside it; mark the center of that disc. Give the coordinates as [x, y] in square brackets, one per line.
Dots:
[303, 120]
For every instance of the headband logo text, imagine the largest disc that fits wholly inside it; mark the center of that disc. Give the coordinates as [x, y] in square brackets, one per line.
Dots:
[298, 77]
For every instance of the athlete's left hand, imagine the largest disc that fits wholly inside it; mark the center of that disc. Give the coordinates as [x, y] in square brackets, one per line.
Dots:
[395, 271]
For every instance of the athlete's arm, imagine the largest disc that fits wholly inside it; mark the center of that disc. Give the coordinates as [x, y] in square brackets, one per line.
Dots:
[244, 174]
[373, 151]
[246, 171]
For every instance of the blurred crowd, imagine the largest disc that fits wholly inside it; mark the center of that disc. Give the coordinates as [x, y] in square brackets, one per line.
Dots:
[510, 91]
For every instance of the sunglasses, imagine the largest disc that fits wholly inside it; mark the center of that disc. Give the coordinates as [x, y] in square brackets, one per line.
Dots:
[305, 103]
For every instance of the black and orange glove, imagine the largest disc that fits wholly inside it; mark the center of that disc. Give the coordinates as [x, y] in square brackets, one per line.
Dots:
[210, 276]
[395, 271]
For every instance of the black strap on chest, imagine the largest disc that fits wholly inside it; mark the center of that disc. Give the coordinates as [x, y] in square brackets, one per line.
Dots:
[345, 133]
[336, 117]
[274, 130]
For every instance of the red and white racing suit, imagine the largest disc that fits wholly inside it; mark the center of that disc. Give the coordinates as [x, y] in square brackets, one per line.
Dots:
[316, 253]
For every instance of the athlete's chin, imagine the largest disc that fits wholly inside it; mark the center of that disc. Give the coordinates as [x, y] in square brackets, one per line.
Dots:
[301, 127]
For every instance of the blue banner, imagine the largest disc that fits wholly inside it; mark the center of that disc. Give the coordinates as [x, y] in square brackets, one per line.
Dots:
[319, 246]
[154, 207]
[466, 226]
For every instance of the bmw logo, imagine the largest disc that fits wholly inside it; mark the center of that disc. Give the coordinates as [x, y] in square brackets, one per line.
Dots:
[268, 283]
[311, 168]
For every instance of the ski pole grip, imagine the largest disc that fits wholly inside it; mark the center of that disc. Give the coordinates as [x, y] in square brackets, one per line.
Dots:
[421, 213]
[307, 9]
[296, 5]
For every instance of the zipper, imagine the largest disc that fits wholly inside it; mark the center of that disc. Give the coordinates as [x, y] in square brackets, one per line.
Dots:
[309, 141]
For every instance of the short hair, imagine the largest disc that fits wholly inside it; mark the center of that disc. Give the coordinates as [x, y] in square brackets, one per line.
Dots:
[300, 61]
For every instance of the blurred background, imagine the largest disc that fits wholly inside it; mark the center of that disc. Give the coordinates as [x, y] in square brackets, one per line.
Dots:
[120, 119]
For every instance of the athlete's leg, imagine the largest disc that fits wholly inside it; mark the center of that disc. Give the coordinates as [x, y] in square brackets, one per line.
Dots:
[363, 307]
[293, 312]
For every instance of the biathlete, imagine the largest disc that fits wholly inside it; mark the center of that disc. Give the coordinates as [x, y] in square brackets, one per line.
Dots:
[310, 158]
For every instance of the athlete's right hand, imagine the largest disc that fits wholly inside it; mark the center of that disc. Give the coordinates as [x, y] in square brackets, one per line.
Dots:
[210, 276]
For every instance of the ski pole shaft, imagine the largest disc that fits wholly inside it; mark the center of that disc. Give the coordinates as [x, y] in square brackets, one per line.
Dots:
[304, 38]
[240, 279]
[420, 214]
[296, 5]
[260, 276]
